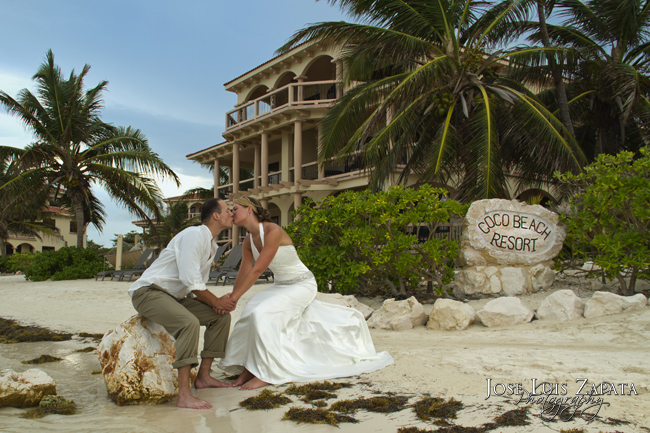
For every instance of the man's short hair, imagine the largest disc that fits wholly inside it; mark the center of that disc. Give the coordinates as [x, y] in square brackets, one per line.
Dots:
[209, 207]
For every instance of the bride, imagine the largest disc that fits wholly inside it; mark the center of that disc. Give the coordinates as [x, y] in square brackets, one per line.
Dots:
[284, 334]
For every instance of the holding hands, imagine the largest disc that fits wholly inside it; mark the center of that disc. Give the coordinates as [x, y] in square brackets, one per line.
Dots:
[224, 304]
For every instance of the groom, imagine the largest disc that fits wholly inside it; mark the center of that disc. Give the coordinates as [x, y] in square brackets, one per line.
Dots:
[172, 293]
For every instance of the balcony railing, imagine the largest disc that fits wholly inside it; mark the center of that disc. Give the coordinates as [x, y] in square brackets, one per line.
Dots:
[311, 93]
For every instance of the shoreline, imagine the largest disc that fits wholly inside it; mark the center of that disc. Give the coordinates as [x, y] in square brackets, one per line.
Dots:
[607, 349]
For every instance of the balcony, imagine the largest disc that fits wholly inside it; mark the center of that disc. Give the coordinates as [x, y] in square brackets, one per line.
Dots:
[295, 95]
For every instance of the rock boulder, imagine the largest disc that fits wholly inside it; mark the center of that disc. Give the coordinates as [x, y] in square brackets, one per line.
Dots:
[25, 389]
[604, 303]
[346, 301]
[561, 305]
[450, 315]
[136, 359]
[398, 315]
[504, 311]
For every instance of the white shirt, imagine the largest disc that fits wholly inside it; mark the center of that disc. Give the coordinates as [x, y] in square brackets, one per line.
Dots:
[184, 265]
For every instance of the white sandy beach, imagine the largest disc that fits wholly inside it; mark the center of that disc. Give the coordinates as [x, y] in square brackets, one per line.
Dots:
[612, 349]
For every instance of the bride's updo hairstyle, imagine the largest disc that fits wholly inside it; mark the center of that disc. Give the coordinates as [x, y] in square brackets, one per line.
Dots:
[262, 214]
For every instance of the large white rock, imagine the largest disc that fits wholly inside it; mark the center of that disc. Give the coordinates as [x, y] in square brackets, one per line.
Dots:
[450, 315]
[604, 303]
[561, 305]
[541, 277]
[25, 389]
[508, 232]
[472, 282]
[514, 281]
[398, 315]
[504, 311]
[347, 301]
[136, 359]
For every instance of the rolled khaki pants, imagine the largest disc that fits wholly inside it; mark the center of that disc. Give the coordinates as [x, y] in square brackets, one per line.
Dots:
[183, 319]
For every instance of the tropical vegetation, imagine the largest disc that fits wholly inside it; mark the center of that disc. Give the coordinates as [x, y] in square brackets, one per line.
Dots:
[75, 152]
[430, 92]
[378, 243]
[608, 220]
[602, 47]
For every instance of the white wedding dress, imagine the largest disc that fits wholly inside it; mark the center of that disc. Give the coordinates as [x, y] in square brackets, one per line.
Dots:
[285, 335]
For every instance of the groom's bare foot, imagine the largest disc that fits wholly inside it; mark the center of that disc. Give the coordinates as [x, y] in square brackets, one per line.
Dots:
[243, 378]
[191, 402]
[210, 382]
[254, 383]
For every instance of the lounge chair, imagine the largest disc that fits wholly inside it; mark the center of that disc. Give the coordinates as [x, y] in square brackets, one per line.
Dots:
[229, 265]
[128, 258]
[233, 276]
[138, 265]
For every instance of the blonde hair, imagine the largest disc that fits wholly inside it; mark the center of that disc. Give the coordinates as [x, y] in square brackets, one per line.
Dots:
[262, 214]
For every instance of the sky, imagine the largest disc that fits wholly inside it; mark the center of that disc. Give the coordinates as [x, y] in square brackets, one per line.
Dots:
[165, 62]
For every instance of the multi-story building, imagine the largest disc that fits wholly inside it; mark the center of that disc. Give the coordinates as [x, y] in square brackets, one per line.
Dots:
[274, 128]
[58, 218]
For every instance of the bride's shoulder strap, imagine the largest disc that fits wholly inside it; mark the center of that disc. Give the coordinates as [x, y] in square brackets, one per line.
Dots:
[262, 233]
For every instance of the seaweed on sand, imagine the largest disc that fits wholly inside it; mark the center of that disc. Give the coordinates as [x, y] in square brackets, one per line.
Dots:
[266, 399]
[12, 332]
[515, 417]
[436, 407]
[316, 386]
[93, 336]
[52, 404]
[86, 349]
[317, 416]
[382, 404]
[42, 359]
[317, 394]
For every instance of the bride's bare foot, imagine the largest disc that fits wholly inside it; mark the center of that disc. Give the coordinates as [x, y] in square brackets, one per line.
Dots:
[210, 382]
[192, 402]
[254, 383]
[243, 378]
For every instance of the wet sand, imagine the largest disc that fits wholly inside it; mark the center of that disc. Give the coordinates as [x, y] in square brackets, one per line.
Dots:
[612, 349]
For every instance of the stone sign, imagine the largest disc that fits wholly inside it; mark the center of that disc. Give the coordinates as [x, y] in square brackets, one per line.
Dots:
[510, 232]
[507, 248]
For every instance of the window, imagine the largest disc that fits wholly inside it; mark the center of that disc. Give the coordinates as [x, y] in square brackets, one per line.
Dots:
[73, 227]
[47, 249]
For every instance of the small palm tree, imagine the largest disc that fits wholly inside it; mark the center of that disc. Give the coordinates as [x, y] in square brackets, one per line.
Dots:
[169, 225]
[433, 98]
[75, 151]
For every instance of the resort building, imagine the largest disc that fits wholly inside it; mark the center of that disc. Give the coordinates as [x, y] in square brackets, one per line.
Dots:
[59, 219]
[273, 131]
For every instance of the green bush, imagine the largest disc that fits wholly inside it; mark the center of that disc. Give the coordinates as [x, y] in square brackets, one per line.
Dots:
[362, 242]
[67, 263]
[17, 262]
[608, 221]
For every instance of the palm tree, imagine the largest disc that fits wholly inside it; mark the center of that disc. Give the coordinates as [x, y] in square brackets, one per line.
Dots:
[76, 151]
[433, 98]
[608, 45]
[174, 222]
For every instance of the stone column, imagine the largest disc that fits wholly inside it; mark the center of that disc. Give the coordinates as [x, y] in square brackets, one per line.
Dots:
[339, 77]
[321, 167]
[265, 158]
[217, 177]
[286, 155]
[235, 186]
[297, 162]
[256, 167]
[301, 79]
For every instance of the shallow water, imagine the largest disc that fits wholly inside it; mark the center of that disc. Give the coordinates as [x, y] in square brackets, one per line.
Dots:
[97, 413]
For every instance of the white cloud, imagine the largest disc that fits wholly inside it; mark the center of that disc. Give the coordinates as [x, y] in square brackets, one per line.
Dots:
[188, 181]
